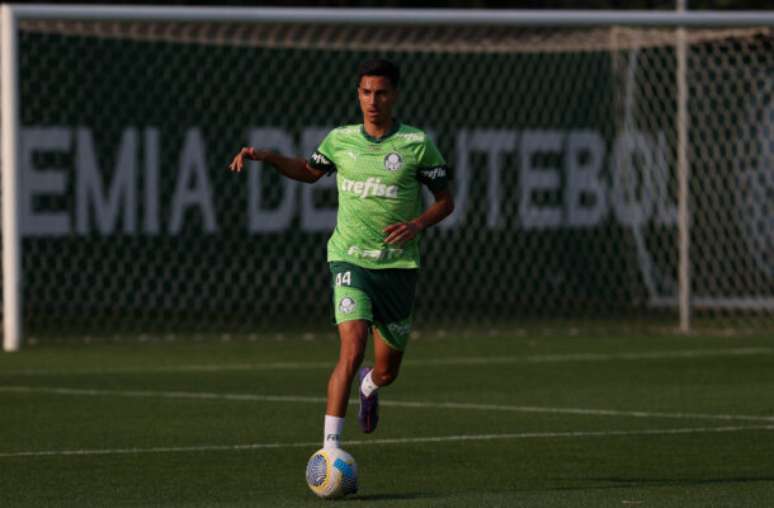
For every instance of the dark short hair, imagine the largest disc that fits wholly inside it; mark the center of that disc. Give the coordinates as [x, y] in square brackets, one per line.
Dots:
[379, 67]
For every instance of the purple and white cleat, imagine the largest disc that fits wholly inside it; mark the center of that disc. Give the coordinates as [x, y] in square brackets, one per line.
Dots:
[368, 416]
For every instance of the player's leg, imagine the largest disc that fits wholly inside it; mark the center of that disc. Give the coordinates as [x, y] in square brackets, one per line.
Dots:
[392, 308]
[353, 336]
[386, 360]
[388, 354]
[353, 316]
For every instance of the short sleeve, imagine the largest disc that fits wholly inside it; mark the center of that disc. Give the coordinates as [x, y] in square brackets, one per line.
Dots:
[322, 158]
[433, 170]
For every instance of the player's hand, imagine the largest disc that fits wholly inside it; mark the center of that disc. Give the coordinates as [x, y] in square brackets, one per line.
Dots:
[402, 232]
[238, 162]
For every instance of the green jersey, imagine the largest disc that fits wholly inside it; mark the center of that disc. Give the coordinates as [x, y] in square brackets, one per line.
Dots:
[379, 183]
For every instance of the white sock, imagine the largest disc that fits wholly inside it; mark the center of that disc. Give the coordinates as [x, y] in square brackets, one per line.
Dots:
[367, 387]
[334, 425]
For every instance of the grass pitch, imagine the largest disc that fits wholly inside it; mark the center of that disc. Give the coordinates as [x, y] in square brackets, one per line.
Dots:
[528, 419]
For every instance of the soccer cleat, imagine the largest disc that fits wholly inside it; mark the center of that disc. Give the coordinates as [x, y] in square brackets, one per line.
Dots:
[368, 416]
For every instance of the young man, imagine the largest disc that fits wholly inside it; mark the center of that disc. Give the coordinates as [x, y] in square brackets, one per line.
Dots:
[374, 251]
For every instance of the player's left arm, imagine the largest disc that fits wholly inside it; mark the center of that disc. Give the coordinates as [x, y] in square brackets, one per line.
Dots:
[402, 232]
[432, 172]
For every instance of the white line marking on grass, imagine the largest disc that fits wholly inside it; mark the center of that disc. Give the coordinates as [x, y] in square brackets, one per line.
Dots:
[390, 403]
[176, 368]
[393, 441]
[579, 411]
[474, 360]
[602, 357]
[161, 394]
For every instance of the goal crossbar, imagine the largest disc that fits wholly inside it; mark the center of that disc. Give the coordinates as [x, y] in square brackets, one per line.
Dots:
[385, 16]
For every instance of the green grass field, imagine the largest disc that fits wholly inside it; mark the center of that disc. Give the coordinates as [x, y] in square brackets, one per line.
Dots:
[528, 419]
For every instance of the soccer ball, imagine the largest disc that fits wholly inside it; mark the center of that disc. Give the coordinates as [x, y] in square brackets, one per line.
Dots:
[331, 473]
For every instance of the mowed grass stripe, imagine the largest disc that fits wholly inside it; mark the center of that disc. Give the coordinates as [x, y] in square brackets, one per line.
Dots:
[390, 403]
[437, 362]
[395, 441]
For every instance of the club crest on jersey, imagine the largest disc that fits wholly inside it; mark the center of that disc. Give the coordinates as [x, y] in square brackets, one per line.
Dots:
[393, 161]
[347, 305]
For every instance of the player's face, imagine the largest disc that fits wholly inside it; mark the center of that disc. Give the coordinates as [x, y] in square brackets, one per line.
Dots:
[377, 97]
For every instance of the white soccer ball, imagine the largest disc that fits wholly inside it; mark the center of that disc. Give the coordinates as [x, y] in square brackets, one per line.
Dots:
[331, 473]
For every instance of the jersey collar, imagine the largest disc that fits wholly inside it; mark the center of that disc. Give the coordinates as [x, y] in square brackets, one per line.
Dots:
[395, 128]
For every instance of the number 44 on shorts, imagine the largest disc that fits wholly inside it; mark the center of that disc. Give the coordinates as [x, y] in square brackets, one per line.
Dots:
[344, 279]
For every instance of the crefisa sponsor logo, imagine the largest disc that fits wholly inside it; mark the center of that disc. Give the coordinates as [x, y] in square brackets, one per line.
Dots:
[372, 187]
[319, 158]
[433, 173]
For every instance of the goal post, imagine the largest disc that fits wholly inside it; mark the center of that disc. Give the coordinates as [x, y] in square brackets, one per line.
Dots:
[9, 150]
[562, 127]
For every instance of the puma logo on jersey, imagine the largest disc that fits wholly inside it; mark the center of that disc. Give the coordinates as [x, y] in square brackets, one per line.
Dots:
[373, 187]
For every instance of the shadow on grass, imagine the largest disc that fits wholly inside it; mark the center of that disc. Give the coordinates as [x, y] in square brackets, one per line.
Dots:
[682, 481]
[406, 496]
[621, 483]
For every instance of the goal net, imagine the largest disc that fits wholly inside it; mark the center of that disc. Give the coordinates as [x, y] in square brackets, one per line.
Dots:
[563, 144]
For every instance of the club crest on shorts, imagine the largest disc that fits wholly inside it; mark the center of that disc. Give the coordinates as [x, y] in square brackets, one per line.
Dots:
[393, 161]
[346, 305]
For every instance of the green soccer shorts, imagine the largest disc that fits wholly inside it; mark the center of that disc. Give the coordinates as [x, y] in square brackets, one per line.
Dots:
[383, 297]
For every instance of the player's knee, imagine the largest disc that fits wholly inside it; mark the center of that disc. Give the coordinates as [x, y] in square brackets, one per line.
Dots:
[353, 345]
[351, 360]
[384, 377]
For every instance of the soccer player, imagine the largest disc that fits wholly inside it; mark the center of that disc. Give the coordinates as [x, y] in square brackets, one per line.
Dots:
[373, 253]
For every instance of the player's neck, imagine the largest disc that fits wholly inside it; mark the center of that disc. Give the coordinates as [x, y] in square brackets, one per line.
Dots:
[378, 130]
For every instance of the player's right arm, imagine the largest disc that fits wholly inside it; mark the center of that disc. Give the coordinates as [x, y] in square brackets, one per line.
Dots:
[291, 167]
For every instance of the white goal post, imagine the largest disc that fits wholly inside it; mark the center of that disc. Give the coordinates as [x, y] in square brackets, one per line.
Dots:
[13, 15]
